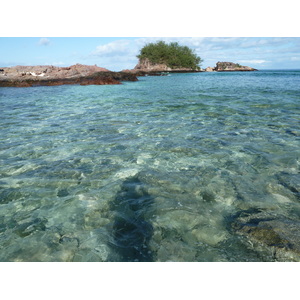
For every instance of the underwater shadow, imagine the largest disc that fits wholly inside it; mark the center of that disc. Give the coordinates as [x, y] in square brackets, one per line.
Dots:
[131, 231]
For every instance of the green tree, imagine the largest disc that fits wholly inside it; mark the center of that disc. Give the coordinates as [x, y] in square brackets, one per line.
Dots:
[173, 55]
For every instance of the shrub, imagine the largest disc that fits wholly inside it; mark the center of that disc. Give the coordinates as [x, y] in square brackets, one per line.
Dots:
[173, 55]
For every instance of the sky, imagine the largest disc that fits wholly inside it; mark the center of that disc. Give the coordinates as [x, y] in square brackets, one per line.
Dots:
[118, 53]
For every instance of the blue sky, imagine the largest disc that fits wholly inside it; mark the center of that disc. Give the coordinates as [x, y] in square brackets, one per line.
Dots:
[120, 53]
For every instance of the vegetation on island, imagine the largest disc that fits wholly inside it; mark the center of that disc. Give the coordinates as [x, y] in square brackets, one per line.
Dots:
[173, 55]
[226, 65]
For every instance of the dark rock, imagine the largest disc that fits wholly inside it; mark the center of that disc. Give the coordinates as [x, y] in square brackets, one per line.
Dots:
[290, 181]
[63, 193]
[27, 228]
[10, 194]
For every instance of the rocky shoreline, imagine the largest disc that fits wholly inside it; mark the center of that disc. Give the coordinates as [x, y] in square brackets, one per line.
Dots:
[28, 76]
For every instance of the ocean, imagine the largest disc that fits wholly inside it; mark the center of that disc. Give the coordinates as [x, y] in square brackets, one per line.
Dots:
[195, 167]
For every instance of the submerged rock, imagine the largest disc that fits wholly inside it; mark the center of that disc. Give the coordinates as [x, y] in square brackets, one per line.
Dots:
[276, 234]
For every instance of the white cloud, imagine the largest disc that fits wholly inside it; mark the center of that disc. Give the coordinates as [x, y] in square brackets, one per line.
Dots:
[117, 55]
[114, 48]
[58, 63]
[252, 61]
[295, 58]
[44, 42]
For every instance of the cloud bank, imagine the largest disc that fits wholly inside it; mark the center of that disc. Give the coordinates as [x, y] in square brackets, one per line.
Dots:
[262, 52]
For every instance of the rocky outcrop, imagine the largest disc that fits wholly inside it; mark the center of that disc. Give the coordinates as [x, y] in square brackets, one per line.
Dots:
[52, 71]
[230, 66]
[209, 69]
[146, 67]
[26, 76]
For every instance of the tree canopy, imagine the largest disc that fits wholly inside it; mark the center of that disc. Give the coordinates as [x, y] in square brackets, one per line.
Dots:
[173, 55]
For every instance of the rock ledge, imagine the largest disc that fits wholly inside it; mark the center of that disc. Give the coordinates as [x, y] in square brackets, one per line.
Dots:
[26, 76]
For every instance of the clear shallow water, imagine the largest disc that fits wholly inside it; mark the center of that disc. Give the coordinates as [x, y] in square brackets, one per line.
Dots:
[153, 170]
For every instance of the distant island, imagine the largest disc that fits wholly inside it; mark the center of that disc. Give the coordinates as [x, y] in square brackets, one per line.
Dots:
[145, 67]
[154, 59]
[158, 58]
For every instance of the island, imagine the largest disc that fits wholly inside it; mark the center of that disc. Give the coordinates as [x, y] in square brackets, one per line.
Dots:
[161, 58]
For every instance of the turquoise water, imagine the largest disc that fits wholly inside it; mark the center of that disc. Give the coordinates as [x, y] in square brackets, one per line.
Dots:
[153, 170]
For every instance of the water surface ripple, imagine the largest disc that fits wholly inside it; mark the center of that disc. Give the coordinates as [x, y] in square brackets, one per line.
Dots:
[187, 167]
